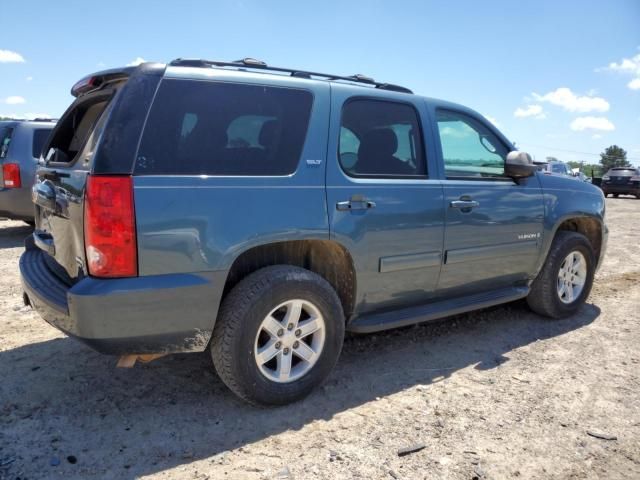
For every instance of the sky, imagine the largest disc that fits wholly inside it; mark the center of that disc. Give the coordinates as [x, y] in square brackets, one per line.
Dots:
[558, 78]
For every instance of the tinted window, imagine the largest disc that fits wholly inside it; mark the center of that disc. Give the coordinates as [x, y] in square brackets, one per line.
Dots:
[469, 148]
[39, 137]
[381, 139]
[622, 172]
[558, 168]
[5, 140]
[211, 128]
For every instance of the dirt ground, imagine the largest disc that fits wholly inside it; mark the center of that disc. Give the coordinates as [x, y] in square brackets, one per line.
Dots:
[500, 393]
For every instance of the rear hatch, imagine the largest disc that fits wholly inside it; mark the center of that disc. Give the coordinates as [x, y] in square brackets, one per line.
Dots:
[621, 176]
[98, 126]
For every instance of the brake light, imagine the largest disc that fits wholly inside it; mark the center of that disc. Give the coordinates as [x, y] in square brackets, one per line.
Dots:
[11, 175]
[109, 227]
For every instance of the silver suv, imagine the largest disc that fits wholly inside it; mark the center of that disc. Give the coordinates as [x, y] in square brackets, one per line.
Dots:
[21, 143]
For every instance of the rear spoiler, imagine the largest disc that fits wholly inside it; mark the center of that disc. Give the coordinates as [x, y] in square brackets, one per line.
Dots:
[97, 80]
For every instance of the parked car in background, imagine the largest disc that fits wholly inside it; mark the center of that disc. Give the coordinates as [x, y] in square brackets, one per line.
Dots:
[260, 212]
[582, 177]
[556, 168]
[21, 144]
[621, 181]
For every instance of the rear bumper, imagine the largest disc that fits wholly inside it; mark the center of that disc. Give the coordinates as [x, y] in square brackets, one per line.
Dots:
[153, 314]
[627, 189]
[15, 203]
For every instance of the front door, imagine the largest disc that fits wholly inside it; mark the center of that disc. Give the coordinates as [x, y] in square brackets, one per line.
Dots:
[493, 224]
[381, 203]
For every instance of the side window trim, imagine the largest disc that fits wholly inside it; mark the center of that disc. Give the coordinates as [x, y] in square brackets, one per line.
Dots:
[421, 137]
[473, 119]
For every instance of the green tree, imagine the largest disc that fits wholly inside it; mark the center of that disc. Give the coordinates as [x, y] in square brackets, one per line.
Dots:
[613, 156]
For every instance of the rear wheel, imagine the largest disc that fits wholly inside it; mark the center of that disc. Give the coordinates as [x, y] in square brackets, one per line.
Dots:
[278, 335]
[565, 281]
[615, 195]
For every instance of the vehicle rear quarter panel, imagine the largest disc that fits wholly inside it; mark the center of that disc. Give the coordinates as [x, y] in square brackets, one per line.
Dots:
[567, 198]
[203, 223]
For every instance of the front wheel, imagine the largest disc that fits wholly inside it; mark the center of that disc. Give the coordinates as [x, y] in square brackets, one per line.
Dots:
[278, 335]
[565, 281]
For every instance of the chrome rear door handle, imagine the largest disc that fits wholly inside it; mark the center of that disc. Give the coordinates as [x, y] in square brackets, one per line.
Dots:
[355, 205]
[464, 204]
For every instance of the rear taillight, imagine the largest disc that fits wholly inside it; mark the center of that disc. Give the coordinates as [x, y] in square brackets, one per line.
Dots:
[110, 227]
[11, 175]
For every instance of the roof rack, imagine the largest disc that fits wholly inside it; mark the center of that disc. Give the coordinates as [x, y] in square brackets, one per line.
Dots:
[260, 65]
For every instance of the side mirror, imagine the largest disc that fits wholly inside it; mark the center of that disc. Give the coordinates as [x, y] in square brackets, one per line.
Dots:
[519, 165]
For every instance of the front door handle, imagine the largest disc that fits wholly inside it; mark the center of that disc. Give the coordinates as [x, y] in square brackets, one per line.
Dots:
[355, 204]
[464, 204]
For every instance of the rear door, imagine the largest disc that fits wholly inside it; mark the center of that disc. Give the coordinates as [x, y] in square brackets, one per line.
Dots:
[58, 191]
[494, 225]
[382, 204]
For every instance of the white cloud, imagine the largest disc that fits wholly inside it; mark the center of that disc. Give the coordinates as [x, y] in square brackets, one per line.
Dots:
[136, 62]
[534, 111]
[14, 100]
[627, 66]
[28, 79]
[565, 98]
[492, 120]
[592, 123]
[7, 56]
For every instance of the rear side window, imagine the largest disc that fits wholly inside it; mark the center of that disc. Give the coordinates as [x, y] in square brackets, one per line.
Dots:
[5, 140]
[381, 139]
[214, 128]
[40, 136]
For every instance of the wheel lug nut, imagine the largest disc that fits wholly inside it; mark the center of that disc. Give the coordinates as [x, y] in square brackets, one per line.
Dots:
[286, 351]
[298, 332]
[290, 326]
[280, 332]
[296, 344]
[278, 345]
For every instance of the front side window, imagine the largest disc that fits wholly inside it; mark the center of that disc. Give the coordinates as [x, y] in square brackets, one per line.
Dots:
[381, 139]
[469, 149]
[215, 128]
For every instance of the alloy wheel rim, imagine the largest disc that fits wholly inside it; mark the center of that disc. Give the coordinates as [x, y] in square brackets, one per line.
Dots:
[572, 277]
[289, 341]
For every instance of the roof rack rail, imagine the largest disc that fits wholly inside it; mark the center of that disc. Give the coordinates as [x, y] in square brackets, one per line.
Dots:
[260, 65]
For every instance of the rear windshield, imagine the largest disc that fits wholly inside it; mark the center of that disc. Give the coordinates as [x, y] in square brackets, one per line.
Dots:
[5, 140]
[213, 128]
[75, 128]
[622, 172]
[40, 136]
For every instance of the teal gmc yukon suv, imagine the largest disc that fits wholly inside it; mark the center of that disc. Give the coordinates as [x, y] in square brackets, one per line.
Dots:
[262, 212]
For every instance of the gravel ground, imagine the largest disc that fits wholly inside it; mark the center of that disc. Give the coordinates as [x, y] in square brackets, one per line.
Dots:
[500, 393]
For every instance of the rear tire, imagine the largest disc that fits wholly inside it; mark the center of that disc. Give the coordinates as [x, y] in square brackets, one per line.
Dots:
[569, 267]
[246, 335]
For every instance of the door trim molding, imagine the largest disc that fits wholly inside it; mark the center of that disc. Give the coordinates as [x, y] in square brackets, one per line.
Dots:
[490, 251]
[407, 262]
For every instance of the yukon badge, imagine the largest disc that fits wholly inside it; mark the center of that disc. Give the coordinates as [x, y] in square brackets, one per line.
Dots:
[528, 236]
[313, 163]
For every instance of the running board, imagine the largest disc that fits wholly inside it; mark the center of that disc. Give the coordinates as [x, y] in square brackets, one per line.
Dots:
[423, 313]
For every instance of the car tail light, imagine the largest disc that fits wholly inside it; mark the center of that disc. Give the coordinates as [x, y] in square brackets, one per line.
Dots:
[11, 174]
[635, 178]
[109, 227]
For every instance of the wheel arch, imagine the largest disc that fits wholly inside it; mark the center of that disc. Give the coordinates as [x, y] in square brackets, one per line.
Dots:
[328, 258]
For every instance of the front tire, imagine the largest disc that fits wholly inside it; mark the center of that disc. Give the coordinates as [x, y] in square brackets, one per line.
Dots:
[278, 335]
[566, 278]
